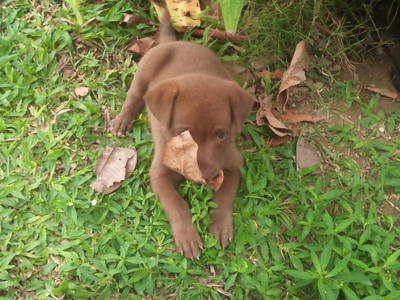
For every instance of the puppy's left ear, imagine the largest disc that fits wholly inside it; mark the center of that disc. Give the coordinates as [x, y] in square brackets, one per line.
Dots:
[241, 103]
[161, 101]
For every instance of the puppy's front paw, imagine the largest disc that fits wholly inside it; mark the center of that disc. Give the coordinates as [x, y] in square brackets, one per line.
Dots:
[187, 240]
[222, 228]
[120, 125]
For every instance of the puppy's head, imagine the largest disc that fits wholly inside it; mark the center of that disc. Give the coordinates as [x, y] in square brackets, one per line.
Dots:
[212, 109]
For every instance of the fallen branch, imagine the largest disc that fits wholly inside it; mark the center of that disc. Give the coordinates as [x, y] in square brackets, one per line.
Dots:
[220, 34]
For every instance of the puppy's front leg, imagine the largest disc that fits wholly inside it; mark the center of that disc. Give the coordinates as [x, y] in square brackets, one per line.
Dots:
[132, 106]
[221, 219]
[165, 185]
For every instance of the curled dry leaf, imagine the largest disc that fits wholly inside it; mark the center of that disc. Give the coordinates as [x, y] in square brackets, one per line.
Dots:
[81, 91]
[266, 111]
[141, 46]
[114, 166]
[280, 120]
[294, 75]
[181, 156]
[306, 154]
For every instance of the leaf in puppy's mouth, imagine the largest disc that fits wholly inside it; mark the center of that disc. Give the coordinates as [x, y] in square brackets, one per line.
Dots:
[181, 156]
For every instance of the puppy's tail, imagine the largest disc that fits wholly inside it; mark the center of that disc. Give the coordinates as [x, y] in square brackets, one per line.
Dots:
[167, 33]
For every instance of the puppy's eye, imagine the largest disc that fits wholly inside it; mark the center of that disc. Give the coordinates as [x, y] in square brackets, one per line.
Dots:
[221, 135]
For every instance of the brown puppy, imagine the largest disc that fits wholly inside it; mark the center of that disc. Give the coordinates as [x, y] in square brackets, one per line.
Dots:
[185, 87]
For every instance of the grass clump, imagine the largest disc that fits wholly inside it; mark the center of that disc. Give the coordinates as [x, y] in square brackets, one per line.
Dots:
[339, 31]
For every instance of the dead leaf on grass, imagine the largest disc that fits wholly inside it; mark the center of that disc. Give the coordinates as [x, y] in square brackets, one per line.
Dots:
[141, 46]
[277, 140]
[265, 111]
[81, 91]
[114, 166]
[383, 91]
[181, 156]
[306, 154]
[279, 119]
[294, 118]
[294, 75]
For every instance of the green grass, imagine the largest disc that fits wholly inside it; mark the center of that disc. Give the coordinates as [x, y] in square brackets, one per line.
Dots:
[339, 31]
[298, 235]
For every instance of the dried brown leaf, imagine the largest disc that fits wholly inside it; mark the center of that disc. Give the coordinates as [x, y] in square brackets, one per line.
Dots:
[280, 120]
[266, 111]
[293, 117]
[293, 75]
[181, 156]
[383, 91]
[306, 154]
[81, 91]
[141, 46]
[113, 166]
[277, 140]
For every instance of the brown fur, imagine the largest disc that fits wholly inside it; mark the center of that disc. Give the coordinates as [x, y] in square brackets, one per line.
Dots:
[185, 86]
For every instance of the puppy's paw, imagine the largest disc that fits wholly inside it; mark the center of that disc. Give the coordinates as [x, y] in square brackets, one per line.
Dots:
[120, 125]
[222, 228]
[188, 241]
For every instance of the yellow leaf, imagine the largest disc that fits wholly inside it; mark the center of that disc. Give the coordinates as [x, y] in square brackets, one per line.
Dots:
[184, 13]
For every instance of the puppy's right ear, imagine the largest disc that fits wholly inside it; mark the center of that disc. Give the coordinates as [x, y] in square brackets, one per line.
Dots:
[160, 100]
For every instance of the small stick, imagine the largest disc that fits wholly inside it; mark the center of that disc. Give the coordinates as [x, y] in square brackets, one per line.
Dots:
[221, 35]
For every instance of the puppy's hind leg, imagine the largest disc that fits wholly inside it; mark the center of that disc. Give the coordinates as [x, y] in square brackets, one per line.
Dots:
[133, 104]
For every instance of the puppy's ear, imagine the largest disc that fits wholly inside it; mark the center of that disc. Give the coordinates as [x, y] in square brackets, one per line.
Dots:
[160, 100]
[241, 103]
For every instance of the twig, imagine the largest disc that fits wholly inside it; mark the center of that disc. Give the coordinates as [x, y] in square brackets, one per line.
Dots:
[221, 35]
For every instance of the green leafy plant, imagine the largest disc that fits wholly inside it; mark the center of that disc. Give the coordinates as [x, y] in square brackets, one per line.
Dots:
[75, 5]
[231, 12]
